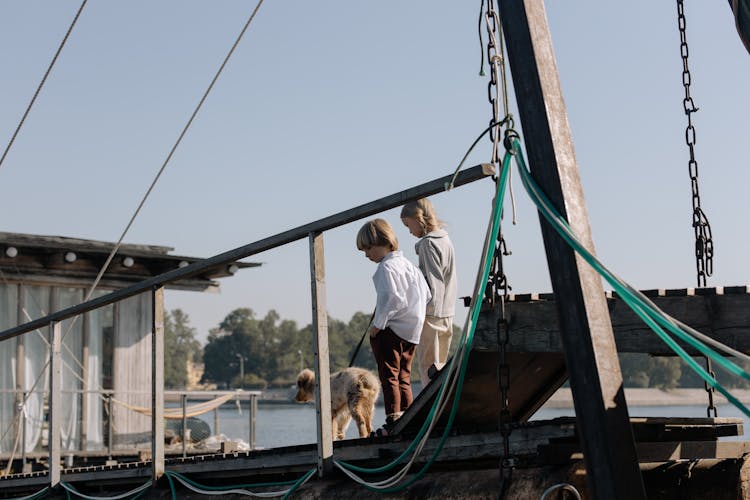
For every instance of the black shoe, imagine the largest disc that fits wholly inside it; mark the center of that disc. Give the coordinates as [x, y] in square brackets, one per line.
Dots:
[432, 371]
[380, 432]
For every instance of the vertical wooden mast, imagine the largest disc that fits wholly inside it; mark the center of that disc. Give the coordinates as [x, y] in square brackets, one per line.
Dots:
[590, 353]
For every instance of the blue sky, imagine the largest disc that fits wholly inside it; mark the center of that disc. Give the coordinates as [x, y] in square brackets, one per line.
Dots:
[326, 105]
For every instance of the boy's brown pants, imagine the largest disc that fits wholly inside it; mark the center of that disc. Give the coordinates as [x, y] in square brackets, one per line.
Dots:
[394, 356]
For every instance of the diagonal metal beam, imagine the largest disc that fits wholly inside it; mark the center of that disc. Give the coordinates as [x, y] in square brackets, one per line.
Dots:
[430, 188]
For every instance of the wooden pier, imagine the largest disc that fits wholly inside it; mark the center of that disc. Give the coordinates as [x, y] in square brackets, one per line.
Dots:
[574, 334]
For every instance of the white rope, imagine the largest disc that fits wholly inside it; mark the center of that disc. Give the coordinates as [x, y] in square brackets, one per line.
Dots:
[176, 413]
[537, 195]
[21, 421]
[451, 379]
[116, 497]
[561, 486]
[237, 491]
[32, 496]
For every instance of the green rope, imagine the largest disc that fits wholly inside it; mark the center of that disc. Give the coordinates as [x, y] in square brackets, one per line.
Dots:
[136, 492]
[171, 485]
[644, 308]
[468, 335]
[226, 487]
[299, 482]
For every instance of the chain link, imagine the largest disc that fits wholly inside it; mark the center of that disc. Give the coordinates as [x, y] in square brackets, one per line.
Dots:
[497, 287]
[704, 247]
[711, 408]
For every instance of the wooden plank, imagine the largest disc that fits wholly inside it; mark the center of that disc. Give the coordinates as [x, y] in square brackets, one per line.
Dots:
[588, 341]
[85, 386]
[464, 177]
[656, 451]
[534, 326]
[322, 370]
[55, 403]
[533, 379]
[157, 384]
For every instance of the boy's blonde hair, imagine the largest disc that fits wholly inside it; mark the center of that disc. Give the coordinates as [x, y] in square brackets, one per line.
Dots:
[377, 232]
[423, 212]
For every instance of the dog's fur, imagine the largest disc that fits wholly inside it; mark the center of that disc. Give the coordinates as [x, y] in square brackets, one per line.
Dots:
[353, 394]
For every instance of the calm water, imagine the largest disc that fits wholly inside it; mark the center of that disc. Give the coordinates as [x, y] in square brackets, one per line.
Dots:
[285, 425]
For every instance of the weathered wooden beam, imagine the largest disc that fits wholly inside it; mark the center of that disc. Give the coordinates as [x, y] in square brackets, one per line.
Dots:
[721, 313]
[157, 384]
[55, 403]
[590, 353]
[322, 370]
[656, 451]
[533, 379]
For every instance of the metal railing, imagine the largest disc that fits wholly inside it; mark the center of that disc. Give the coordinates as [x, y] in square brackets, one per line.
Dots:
[313, 231]
[108, 401]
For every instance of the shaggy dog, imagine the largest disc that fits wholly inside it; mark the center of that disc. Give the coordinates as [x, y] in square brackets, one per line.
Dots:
[353, 394]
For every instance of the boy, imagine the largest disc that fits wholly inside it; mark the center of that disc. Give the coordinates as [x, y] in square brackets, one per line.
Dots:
[402, 297]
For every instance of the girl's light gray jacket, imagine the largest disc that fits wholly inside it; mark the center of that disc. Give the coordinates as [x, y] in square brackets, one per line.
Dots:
[436, 261]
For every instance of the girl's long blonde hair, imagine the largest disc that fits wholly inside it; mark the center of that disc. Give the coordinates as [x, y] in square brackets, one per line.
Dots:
[423, 212]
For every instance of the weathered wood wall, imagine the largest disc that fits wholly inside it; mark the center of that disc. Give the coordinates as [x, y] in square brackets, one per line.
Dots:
[722, 313]
[131, 373]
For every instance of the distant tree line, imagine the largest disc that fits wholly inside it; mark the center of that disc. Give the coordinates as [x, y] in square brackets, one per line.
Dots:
[257, 353]
[250, 352]
[670, 372]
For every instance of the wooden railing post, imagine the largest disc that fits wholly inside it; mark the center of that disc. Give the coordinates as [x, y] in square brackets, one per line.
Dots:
[253, 411]
[55, 402]
[157, 383]
[322, 371]
[184, 425]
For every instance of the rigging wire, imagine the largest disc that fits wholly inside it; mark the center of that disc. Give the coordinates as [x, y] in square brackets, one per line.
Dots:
[168, 158]
[41, 84]
[163, 166]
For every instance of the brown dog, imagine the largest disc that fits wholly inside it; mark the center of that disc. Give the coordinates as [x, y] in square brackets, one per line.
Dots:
[353, 394]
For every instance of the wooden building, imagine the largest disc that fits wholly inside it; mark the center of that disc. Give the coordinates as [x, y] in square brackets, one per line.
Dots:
[106, 352]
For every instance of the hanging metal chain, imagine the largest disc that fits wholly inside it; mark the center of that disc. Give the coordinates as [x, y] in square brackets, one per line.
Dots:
[704, 246]
[497, 86]
[497, 288]
[711, 408]
[498, 291]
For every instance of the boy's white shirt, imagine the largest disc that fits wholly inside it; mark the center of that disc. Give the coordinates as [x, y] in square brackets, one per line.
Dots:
[402, 297]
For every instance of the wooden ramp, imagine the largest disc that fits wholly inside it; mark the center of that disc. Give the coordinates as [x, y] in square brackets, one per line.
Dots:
[534, 377]
[537, 365]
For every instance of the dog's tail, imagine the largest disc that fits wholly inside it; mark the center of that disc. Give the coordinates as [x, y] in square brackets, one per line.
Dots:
[370, 383]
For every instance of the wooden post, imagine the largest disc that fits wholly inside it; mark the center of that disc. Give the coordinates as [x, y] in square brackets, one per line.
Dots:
[110, 427]
[184, 425]
[322, 371]
[55, 402]
[157, 384]
[591, 356]
[21, 394]
[85, 386]
[23, 434]
[253, 415]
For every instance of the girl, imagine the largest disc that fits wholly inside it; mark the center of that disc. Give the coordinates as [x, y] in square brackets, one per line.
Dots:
[402, 296]
[435, 252]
